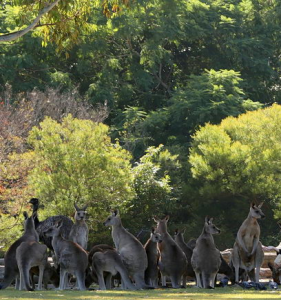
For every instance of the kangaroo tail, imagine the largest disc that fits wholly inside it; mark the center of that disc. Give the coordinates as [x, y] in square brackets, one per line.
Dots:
[8, 278]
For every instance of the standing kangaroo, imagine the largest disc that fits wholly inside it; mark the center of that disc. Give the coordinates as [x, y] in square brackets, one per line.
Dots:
[11, 266]
[151, 249]
[206, 259]
[110, 261]
[79, 231]
[71, 257]
[172, 261]
[247, 251]
[28, 255]
[130, 249]
[187, 251]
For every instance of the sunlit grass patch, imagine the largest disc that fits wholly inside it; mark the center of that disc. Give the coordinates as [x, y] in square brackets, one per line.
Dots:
[158, 294]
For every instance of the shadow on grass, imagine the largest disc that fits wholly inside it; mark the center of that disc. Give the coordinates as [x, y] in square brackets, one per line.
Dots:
[158, 294]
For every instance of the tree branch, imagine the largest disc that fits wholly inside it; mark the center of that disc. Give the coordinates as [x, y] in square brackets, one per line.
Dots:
[15, 35]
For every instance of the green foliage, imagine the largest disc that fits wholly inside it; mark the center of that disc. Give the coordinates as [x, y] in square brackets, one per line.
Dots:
[241, 156]
[154, 191]
[76, 162]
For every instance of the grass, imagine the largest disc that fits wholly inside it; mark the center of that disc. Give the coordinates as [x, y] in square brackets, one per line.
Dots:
[158, 294]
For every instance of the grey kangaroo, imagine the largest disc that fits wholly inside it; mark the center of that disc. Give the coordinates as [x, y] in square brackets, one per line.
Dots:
[206, 259]
[11, 266]
[110, 261]
[187, 251]
[28, 255]
[130, 249]
[79, 230]
[151, 249]
[247, 251]
[172, 261]
[71, 257]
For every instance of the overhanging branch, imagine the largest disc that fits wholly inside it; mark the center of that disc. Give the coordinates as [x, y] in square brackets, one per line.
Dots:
[15, 35]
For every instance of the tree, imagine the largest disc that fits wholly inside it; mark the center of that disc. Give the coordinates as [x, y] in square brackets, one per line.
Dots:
[76, 162]
[55, 15]
[240, 158]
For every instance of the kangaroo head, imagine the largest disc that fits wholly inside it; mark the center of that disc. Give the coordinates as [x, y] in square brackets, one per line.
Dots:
[161, 224]
[155, 236]
[113, 219]
[54, 230]
[179, 234]
[28, 221]
[80, 213]
[210, 227]
[256, 212]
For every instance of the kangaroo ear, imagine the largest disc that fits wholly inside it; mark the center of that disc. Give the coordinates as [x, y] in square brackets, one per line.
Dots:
[167, 218]
[76, 207]
[25, 214]
[115, 212]
[207, 219]
[85, 207]
[176, 231]
[253, 204]
[156, 219]
[152, 229]
[58, 224]
[183, 231]
[260, 205]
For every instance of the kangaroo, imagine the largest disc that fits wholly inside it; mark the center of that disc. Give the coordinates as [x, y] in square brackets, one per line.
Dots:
[205, 258]
[110, 261]
[50, 275]
[151, 249]
[71, 257]
[247, 251]
[172, 260]
[130, 249]
[79, 231]
[11, 267]
[187, 251]
[31, 254]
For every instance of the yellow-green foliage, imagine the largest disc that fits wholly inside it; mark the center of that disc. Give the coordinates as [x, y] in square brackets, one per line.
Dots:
[241, 155]
[77, 162]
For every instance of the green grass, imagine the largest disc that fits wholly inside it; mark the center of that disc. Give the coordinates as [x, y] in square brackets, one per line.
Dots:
[159, 294]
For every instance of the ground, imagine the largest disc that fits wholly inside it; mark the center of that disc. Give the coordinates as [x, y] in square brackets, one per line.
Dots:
[159, 294]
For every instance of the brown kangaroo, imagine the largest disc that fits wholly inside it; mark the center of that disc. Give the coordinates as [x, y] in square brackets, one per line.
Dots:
[79, 231]
[247, 251]
[71, 257]
[151, 249]
[172, 260]
[31, 254]
[50, 275]
[130, 249]
[206, 259]
[11, 266]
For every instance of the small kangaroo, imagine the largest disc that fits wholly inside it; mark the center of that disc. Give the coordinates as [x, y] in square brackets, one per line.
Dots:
[247, 251]
[31, 254]
[110, 261]
[71, 257]
[130, 249]
[206, 259]
[172, 260]
[50, 275]
[151, 249]
[79, 231]
[11, 266]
